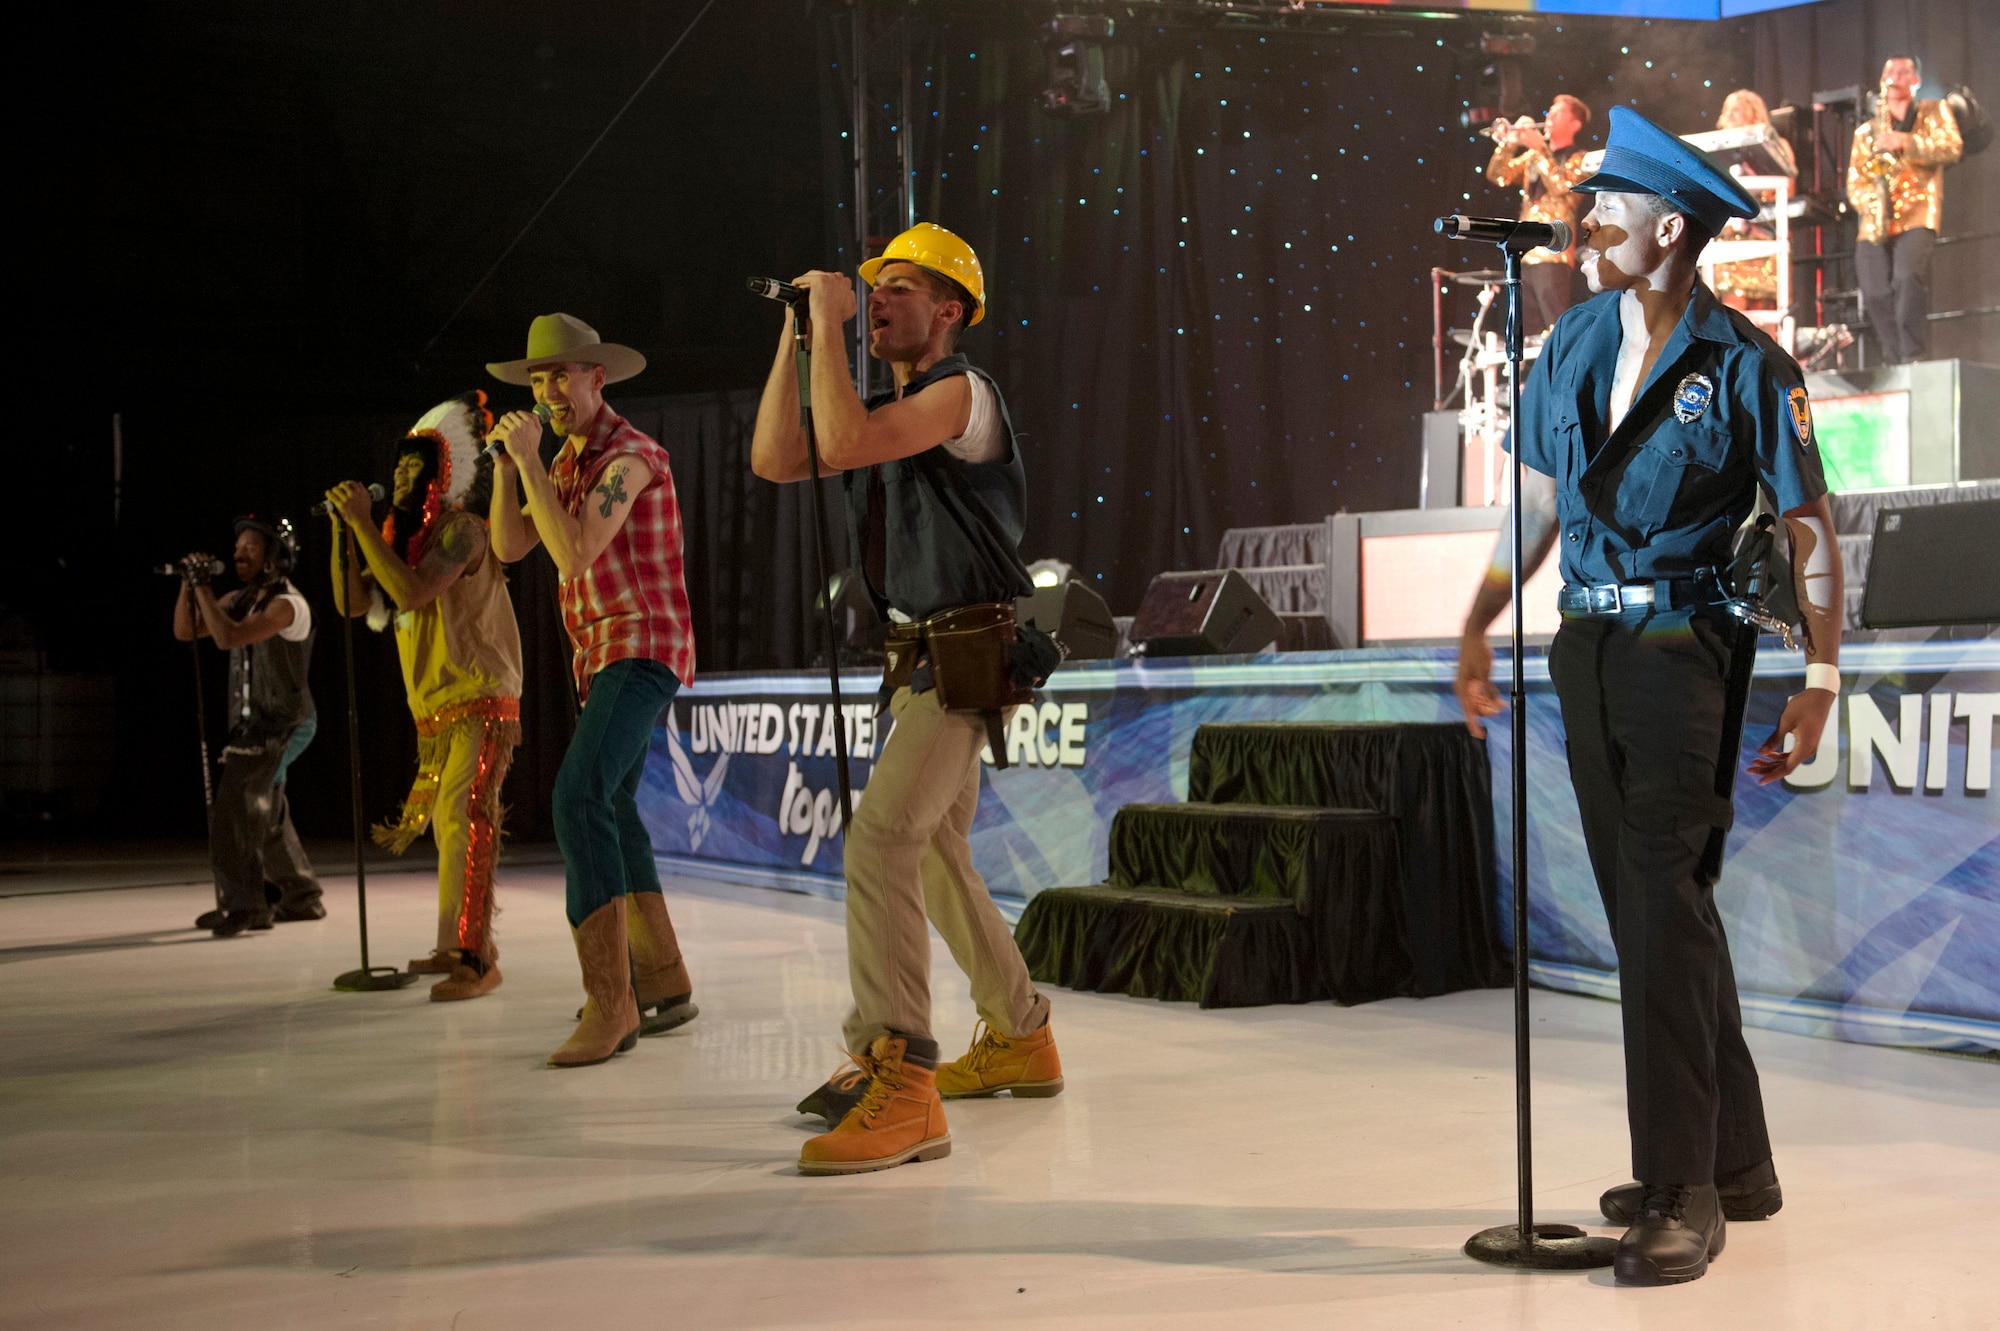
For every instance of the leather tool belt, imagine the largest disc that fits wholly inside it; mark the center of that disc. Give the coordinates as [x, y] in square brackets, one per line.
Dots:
[967, 649]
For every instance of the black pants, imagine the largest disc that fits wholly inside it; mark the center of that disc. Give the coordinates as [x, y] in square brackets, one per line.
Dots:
[1547, 289]
[1896, 291]
[251, 838]
[1645, 705]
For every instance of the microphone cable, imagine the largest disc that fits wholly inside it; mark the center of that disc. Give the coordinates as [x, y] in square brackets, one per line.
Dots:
[528, 226]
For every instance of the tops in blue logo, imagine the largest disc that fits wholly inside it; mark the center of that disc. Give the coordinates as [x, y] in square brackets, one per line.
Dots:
[1692, 397]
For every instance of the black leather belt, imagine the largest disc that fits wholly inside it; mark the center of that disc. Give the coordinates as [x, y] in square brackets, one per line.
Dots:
[1609, 600]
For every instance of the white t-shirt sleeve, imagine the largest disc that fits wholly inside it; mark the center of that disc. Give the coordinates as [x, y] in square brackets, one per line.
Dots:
[983, 440]
[301, 626]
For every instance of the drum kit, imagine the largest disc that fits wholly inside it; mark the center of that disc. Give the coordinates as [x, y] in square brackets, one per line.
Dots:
[1482, 388]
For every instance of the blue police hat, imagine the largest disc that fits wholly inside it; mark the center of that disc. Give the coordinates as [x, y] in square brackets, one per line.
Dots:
[1642, 158]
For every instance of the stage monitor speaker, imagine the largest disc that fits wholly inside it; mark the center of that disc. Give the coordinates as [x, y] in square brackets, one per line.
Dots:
[1442, 456]
[1934, 565]
[1076, 616]
[1212, 612]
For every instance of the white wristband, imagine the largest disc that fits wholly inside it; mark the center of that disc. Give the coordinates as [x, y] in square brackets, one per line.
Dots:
[1820, 675]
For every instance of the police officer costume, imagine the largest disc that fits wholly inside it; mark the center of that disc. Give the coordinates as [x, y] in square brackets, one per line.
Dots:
[1651, 675]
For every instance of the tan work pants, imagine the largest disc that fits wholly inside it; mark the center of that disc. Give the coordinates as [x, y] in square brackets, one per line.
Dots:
[908, 859]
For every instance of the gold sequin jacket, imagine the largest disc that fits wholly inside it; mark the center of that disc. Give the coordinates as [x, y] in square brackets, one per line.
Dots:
[1917, 187]
[1545, 181]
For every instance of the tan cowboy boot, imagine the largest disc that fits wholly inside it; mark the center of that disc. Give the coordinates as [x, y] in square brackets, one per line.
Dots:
[659, 975]
[900, 1117]
[610, 1019]
[472, 976]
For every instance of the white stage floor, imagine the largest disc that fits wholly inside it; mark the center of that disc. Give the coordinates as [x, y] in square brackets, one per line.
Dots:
[197, 1133]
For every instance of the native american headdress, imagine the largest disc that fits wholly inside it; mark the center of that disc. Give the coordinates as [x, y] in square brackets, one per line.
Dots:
[450, 437]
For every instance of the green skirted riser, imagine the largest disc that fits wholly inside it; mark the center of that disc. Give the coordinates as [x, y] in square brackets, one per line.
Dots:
[1237, 850]
[1153, 945]
[1432, 778]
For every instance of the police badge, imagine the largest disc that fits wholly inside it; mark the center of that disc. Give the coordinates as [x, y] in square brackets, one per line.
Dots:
[1692, 397]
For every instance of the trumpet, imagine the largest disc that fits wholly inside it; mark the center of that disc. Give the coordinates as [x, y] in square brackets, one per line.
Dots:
[1540, 127]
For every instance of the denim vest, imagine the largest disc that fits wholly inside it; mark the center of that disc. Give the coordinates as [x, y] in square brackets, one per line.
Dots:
[951, 530]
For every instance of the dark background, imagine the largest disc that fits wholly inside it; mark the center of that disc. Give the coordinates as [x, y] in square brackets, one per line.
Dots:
[251, 224]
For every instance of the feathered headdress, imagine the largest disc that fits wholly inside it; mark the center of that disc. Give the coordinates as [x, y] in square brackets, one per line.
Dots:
[454, 433]
[451, 436]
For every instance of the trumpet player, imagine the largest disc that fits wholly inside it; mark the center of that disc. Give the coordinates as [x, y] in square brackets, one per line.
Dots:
[1895, 181]
[1544, 161]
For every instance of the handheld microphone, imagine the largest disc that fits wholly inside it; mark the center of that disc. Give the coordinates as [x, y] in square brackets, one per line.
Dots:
[210, 568]
[770, 288]
[375, 492]
[1506, 231]
[493, 450]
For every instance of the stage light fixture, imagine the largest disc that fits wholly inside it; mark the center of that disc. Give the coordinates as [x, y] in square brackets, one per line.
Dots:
[1076, 64]
[1507, 43]
[1051, 572]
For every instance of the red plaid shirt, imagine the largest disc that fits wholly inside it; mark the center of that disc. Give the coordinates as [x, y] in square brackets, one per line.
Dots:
[632, 601]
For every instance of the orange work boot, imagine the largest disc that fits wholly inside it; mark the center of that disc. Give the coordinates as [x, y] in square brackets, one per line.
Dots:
[1027, 1065]
[610, 1019]
[900, 1117]
[659, 975]
[471, 977]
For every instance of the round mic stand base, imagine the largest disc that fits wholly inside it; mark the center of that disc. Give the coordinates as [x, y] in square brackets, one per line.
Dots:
[373, 979]
[1553, 1248]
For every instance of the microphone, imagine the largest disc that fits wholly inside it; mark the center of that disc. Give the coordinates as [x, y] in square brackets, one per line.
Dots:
[493, 450]
[375, 492]
[770, 288]
[1506, 231]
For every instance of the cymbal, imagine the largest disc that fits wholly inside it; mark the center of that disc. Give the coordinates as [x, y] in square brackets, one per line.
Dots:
[1480, 278]
[1462, 336]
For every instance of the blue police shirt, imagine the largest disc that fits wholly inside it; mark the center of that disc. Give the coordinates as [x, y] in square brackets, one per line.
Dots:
[1722, 412]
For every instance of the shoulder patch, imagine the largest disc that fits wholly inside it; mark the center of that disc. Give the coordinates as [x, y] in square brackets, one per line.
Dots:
[1801, 413]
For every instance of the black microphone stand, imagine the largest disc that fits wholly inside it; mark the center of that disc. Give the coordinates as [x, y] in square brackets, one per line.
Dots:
[368, 978]
[803, 363]
[201, 732]
[1525, 1244]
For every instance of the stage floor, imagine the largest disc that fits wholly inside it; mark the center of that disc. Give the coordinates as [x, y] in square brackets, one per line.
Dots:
[202, 1134]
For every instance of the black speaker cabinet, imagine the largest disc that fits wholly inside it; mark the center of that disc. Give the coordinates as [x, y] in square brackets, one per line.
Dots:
[1934, 565]
[1076, 616]
[1214, 612]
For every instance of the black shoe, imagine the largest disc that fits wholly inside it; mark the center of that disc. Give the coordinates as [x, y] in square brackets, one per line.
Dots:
[843, 1091]
[1748, 1194]
[1677, 1230]
[208, 919]
[234, 922]
[305, 910]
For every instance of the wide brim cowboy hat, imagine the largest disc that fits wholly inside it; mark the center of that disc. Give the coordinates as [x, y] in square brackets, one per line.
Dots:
[561, 339]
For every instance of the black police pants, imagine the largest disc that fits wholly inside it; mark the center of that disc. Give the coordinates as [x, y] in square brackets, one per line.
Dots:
[251, 839]
[1644, 705]
[1896, 291]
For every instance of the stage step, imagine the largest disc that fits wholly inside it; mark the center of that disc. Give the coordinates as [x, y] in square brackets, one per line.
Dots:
[1433, 779]
[1217, 951]
[1335, 869]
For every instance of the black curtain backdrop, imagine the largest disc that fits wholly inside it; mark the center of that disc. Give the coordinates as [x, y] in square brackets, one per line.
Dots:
[264, 216]
[1209, 306]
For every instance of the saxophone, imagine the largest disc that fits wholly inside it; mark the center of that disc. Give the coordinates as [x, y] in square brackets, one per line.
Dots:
[1883, 165]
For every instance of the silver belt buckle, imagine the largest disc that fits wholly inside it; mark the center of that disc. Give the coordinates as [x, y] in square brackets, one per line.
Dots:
[1607, 598]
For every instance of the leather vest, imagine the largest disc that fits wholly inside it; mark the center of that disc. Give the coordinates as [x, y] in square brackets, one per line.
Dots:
[949, 531]
[268, 694]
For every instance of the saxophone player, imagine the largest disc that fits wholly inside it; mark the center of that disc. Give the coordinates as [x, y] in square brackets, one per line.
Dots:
[1895, 181]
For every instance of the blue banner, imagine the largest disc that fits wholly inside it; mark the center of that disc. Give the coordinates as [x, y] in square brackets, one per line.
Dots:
[1862, 896]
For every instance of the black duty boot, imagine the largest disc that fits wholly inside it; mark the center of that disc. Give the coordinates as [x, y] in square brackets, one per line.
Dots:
[234, 922]
[1677, 1230]
[208, 919]
[1748, 1194]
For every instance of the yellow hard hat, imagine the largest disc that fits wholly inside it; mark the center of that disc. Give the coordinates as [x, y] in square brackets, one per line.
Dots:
[928, 245]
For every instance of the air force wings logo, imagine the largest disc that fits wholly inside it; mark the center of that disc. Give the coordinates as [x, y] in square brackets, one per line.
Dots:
[701, 794]
[1801, 412]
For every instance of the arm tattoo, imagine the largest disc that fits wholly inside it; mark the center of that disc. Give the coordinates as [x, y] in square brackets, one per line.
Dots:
[613, 490]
